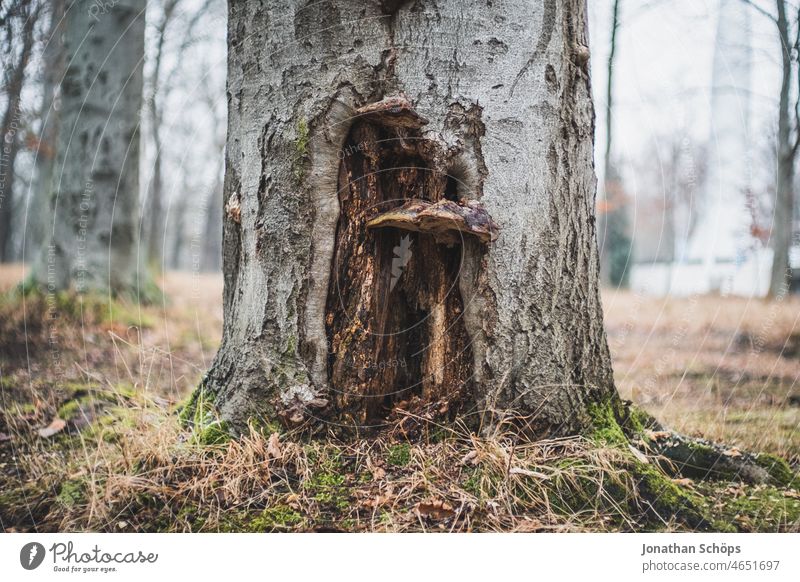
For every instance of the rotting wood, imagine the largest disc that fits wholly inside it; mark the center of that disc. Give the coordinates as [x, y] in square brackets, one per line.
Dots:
[394, 315]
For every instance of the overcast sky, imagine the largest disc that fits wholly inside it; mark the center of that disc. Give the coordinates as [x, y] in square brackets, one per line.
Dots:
[663, 71]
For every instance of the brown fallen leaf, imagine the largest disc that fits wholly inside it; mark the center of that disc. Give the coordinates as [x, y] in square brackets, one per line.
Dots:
[471, 458]
[435, 509]
[55, 427]
[274, 446]
[378, 473]
[378, 500]
[735, 490]
[657, 435]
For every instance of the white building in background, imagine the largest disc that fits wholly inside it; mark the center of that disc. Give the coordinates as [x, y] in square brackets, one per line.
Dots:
[721, 255]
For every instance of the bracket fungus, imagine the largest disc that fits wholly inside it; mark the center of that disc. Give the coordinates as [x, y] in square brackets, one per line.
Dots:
[446, 220]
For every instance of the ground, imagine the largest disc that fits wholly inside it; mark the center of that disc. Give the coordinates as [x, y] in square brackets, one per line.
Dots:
[91, 434]
[726, 368]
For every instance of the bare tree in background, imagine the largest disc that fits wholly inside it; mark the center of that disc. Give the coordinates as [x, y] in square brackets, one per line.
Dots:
[211, 259]
[787, 142]
[93, 237]
[670, 172]
[613, 211]
[205, 233]
[171, 24]
[153, 210]
[53, 64]
[17, 25]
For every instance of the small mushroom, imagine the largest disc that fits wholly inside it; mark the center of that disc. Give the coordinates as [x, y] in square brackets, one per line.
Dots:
[446, 220]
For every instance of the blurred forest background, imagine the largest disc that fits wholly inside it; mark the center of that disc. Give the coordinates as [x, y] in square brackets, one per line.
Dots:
[182, 129]
[695, 105]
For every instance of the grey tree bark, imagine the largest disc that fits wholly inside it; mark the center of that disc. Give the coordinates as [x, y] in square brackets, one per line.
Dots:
[93, 236]
[20, 20]
[53, 64]
[359, 128]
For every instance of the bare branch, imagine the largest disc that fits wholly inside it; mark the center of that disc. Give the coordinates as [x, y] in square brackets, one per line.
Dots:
[761, 11]
[797, 78]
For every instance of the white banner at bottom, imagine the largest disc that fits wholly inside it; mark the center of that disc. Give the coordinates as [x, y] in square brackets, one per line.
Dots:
[401, 557]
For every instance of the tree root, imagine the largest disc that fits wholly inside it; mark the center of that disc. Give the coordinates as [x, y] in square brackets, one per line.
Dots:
[696, 458]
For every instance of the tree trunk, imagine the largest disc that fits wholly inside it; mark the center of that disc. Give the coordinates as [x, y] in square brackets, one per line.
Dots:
[154, 210]
[211, 258]
[615, 243]
[179, 208]
[781, 234]
[53, 70]
[409, 216]
[10, 126]
[94, 234]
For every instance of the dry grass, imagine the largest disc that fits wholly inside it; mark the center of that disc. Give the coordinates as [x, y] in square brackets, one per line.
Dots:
[723, 368]
[260, 483]
[123, 462]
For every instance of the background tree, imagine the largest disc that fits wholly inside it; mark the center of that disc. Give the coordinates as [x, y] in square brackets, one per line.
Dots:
[94, 236]
[787, 142]
[181, 32]
[154, 211]
[373, 128]
[53, 64]
[17, 20]
[615, 238]
[670, 171]
[211, 253]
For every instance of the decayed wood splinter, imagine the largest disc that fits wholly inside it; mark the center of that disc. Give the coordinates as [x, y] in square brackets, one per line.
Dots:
[445, 220]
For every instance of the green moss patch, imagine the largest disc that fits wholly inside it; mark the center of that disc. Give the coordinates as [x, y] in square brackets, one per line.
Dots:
[72, 492]
[779, 470]
[399, 455]
[300, 153]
